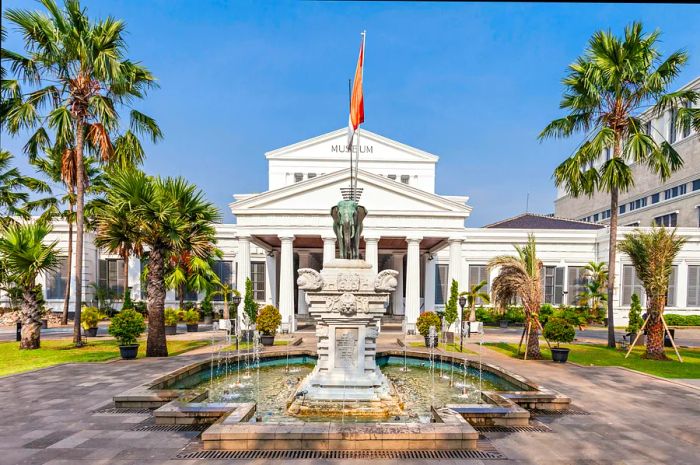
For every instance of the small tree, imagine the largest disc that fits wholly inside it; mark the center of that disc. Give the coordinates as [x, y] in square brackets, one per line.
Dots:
[473, 294]
[451, 307]
[126, 327]
[250, 306]
[635, 315]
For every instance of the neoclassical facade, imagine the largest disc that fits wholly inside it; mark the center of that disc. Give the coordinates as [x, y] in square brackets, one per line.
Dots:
[409, 228]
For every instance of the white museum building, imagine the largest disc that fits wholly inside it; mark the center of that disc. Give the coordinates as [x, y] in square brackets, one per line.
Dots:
[409, 228]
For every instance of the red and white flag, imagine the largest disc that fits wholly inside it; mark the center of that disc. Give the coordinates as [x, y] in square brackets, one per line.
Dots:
[357, 101]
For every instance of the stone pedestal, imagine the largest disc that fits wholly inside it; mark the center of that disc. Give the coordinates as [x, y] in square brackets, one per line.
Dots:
[347, 300]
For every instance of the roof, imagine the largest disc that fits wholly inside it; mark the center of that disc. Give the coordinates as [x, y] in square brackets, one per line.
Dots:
[536, 221]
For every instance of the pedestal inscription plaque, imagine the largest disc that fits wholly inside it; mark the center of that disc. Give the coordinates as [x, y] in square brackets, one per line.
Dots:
[346, 347]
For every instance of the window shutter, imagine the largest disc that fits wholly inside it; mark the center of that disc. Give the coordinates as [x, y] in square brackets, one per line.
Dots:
[558, 285]
[694, 286]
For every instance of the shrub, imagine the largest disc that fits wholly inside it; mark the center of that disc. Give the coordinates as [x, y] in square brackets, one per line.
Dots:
[269, 319]
[191, 317]
[90, 316]
[250, 307]
[682, 320]
[171, 316]
[546, 311]
[425, 321]
[141, 307]
[206, 307]
[635, 315]
[514, 314]
[127, 326]
[559, 330]
[451, 307]
[127, 300]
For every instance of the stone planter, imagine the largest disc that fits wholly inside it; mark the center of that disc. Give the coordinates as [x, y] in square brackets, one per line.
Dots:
[192, 328]
[170, 330]
[129, 352]
[503, 323]
[560, 355]
[208, 319]
[267, 340]
[429, 343]
[91, 332]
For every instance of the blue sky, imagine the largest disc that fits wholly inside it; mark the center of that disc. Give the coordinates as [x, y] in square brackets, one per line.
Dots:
[473, 83]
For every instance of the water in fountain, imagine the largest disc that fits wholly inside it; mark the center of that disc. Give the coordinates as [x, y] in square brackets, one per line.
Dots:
[256, 361]
[432, 336]
[481, 342]
[404, 328]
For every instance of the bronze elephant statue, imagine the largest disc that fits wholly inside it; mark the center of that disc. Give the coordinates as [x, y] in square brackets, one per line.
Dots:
[347, 225]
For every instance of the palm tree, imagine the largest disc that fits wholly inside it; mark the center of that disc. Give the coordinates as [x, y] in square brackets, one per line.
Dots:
[24, 256]
[89, 80]
[170, 215]
[597, 272]
[226, 290]
[593, 295]
[605, 92]
[15, 190]
[186, 272]
[473, 294]
[652, 254]
[520, 277]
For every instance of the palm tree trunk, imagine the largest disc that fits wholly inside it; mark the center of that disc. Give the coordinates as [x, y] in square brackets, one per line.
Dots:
[31, 321]
[655, 331]
[80, 228]
[533, 340]
[612, 251]
[155, 344]
[66, 296]
[181, 295]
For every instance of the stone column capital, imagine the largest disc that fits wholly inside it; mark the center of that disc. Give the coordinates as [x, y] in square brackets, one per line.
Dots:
[243, 236]
[455, 240]
[286, 237]
[414, 239]
[328, 237]
[371, 237]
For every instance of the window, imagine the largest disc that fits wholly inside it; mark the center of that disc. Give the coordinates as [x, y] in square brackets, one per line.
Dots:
[391, 176]
[57, 280]
[671, 294]
[478, 273]
[696, 185]
[257, 276]
[694, 285]
[647, 129]
[553, 284]
[576, 282]
[672, 126]
[633, 225]
[111, 275]
[310, 175]
[622, 209]
[605, 215]
[405, 178]
[667, 220]
[675, 191]
[595, 218]
[440, 283]
[225, 271]
[631, 285]
[686, 128]
[639, 203]
[606, 151]
[655, 198]
[298, 177]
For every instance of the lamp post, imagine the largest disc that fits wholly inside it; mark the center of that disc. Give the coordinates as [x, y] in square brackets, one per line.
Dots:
[236, 301]
[462, 303]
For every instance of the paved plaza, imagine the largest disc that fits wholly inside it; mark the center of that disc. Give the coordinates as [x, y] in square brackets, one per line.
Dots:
[49, 417]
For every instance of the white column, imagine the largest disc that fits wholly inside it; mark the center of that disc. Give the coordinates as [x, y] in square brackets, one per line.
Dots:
[412, 281]
[398, 293]
[303, 308]
[682, 285]
[328, 248]
[270, 278]
[243, 260]
[134, 277]
[372, 252]
[429, 284]
[286, 307]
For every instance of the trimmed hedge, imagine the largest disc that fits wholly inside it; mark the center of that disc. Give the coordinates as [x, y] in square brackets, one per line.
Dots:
[682, 320]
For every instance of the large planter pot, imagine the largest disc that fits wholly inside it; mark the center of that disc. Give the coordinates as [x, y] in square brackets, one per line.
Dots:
[208, 320]
[91, 332]
[170, 330]
[129, 352]
[449, 337]
[560, 355]
[431, 343]
[640, 342]
[267, 340]
[503, 323]
[192, 328]
[247, 335]
[44, 323]
[667, 341]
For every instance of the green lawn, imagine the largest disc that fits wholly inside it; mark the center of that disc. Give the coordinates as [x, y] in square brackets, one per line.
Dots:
[451, 347]
[601, 355]
[55, 351]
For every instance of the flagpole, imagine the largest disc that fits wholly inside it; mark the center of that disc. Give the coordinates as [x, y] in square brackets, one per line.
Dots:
[350, 111]
[362, 79]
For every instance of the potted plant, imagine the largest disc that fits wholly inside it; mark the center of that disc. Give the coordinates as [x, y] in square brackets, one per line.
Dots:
[91, 316]
[171, 317]
[423, 324]
[268, 320]
[126, 327]
[635, 320]
[192, 320]
[559, 330]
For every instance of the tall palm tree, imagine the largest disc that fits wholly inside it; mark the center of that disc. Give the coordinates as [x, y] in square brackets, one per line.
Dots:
[594, 296]
[186, 272]
[25, 254]
[226, 291]
[606, 90]
[90, 80]
[520, 277]
[473, 294]
[15, 192]
[652, 254]
[170, 215]
[597, 272]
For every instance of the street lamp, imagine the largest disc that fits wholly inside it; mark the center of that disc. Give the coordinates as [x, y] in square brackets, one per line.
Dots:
[236, 301]
[462, 303]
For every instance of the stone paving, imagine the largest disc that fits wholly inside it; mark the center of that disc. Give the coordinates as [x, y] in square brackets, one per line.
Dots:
[635, 419]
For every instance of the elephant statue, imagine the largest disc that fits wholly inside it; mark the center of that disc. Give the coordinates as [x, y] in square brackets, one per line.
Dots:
[347, 225]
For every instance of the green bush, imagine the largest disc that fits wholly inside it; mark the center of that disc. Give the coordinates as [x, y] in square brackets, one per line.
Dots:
[485, 315]
[425, 321]
[451, 314]
[635, 315]
[559, 330]
[682, 320]
[206, 307]
[514, 314]
[546, 311]
[127, 300]
[127, 326]
[269, 319]
[141, 307]
[90, 316]
[191, 317]
[250, 307]
[171, 316]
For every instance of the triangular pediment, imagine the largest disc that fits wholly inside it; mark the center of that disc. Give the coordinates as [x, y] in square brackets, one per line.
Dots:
[379, 194]
[332, 145]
